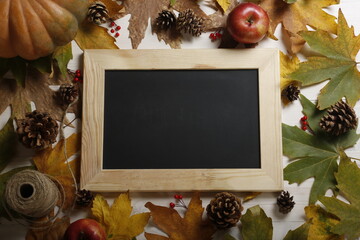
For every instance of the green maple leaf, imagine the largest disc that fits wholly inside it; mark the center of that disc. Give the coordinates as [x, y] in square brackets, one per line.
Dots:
[337, 65]
[256, 225]
[314, 155]
[348, 178]
[301, 233]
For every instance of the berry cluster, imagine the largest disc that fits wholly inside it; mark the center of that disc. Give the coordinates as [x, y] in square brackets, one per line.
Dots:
[115, 29]
[179, 202]
[304, 123]
[78, 76]
[215, 36]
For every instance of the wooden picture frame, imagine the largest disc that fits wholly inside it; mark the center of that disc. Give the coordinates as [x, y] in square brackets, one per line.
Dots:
[267, 178]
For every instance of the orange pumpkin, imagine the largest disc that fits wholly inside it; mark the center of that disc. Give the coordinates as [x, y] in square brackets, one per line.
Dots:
[33, 28]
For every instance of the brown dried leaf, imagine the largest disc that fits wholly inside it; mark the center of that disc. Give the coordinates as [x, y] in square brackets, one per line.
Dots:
[191, 227]
[113, 7]
[250, 196]
[295, 17]
[54, 231]
[143, 10]
[36, 90]
[52, 161]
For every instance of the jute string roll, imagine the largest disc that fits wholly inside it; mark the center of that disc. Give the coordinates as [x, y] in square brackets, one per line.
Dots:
[31, 194]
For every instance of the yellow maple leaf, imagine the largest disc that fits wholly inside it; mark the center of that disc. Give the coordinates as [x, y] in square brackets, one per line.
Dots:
[224, 4]
[52, 161]
[321, 223]
[297, 16]
[117, 219]
[287, 66]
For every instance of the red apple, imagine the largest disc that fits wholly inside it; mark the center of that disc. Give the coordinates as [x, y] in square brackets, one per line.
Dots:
[85, 229]
[248, 23]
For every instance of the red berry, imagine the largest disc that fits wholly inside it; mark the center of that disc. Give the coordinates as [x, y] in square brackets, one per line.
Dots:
[112, 30]
[118, 28]
[305, 123]
[78, 71]
[172, 205]
[219, 35]
[117, 34]
[76, 79]
[112, 24]
[176, 196]
[304, 128]
[304, 118]
[180, 197]
[78, 74]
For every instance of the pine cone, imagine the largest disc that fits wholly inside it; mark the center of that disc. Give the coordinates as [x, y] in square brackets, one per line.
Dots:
[291, 92]
[224, 210]
[68, 93]
[98, 13]
[188, 22]
[84, 198]
[37, 130]
[285, 202]
[340, 119]
[165, 20]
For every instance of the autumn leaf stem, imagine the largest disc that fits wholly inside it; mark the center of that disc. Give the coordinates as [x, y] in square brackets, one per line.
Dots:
[62, 137]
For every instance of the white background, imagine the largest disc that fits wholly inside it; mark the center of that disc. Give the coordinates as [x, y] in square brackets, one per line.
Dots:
[291, 115]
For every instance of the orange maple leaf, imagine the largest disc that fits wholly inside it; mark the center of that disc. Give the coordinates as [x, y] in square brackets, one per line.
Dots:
[191, 227]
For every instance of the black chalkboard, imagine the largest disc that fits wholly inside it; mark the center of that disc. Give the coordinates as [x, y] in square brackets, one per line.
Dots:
[176, 119]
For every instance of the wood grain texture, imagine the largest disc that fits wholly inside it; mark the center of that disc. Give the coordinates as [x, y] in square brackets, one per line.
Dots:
[268, 178]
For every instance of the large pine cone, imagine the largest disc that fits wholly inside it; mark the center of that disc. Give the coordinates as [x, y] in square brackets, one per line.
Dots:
[188, 22]
[340, 119]
[224, 210]
[38, 130]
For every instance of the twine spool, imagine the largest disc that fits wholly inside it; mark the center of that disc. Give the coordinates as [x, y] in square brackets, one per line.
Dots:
[31, 194]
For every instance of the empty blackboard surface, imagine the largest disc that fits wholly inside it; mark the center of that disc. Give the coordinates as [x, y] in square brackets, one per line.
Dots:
[181, 120]
[176, 119]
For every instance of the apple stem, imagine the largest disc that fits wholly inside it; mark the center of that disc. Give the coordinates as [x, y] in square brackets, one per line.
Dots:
[250, 21]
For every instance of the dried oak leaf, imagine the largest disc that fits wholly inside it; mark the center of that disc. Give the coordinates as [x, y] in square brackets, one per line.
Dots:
[295, 17]
[36, 90]
[348, 178]
[191, 227]
[338, 64]
[113, 7]
[52, 161]
[51, 231]
[314, 155]
[116, 220]
[143, 10]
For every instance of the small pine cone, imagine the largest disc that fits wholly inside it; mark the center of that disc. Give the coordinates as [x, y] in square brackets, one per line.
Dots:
[84, 198]
[224, 210]
[188, 22]
[38, 130]
[68, 93]
[97, 13]
[285, 202]
[291, 92]
[165, 20]
[340, 118]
